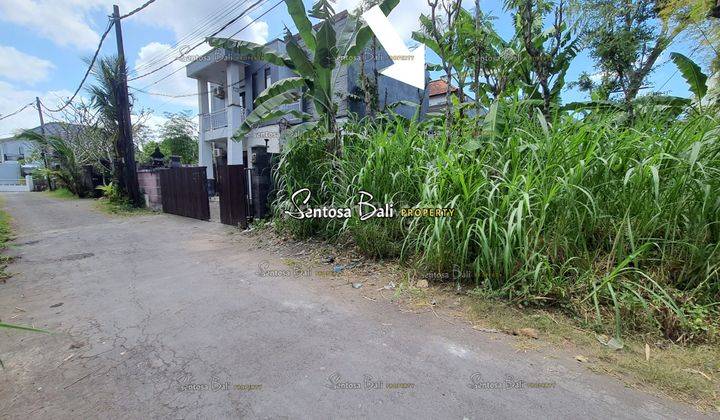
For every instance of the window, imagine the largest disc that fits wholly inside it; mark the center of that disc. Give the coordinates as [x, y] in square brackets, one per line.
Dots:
[268, 78]
[255, 87]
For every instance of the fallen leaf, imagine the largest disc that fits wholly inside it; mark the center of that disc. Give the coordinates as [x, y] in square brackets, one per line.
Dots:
[703, 374]
[56, 305]
[423, 284]
[581, 359]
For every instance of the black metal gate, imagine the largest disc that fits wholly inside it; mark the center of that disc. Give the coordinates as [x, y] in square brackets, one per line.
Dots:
[231, 184]
[184, 192]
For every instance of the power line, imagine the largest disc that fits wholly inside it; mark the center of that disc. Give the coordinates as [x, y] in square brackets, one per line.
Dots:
[87, 72]
[186, 95]
[242, 29]
[192, 36]
[17, 112]
[147, 3]
[200, 27]
[243, 13]
[202, 42]
[677, 70]
[165, 95]
[254, 20]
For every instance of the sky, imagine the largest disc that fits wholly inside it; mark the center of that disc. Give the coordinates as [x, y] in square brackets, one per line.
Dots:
[44, 46]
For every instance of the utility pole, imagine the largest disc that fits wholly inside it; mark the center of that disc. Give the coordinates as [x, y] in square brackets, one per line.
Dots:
[127, 173]
[42, 147]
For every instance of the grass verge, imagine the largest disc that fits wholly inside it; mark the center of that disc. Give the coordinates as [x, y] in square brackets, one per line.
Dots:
[120, 209]
[5, 237]
[61, 193]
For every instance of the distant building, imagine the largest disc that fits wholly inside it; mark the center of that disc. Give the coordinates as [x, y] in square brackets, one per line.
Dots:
[437, 92]
[13, 149]
[17, 157]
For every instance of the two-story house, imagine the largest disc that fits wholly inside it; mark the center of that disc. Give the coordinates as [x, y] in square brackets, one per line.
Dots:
[228, 85]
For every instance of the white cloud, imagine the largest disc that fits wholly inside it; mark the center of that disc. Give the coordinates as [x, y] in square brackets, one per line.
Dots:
[188, 17]
[62, 22]
[184, 17]
[11, 99]
[18, 66]
[404, 18]
[177, 83]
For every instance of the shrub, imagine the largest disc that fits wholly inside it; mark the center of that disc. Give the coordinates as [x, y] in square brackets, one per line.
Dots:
[581, 214]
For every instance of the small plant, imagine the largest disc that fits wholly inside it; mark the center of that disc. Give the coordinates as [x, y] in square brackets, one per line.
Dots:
[112, 193]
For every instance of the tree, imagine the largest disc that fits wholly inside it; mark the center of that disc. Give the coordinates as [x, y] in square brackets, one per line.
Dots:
[179, 137]
[440, 32]
[106, 97]
[492, 61]
[314, 63]
[69, 170]
[550, 51]
[701, 20]
[626, 38]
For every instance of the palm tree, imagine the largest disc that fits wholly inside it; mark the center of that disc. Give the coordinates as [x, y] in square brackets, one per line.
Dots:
[110, 73]
[103, 95]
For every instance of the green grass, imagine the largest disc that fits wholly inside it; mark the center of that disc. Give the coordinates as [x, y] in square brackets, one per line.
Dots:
[5, 237]
[121, 208]
[61, 193]
[618, 226]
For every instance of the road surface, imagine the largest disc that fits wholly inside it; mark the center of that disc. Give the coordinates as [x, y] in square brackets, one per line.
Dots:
[160, 316]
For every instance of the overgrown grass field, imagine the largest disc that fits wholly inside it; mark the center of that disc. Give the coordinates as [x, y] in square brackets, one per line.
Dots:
[616, 224]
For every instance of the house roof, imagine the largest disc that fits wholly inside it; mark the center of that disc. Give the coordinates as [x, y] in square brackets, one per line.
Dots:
[51, 129]
[440, 87]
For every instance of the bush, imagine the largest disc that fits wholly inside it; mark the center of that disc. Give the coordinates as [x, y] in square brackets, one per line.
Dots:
[587, 215]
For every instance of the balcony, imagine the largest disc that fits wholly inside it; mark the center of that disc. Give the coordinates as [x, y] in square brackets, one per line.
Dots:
[219, 119]
[215, 120]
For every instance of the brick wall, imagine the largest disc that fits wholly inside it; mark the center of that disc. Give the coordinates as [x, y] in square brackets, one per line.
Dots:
[149, 180]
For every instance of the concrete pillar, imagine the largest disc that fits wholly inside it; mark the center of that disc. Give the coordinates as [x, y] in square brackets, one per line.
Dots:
[203, 103]
[206, 157]
[235, 110]
[205, 147]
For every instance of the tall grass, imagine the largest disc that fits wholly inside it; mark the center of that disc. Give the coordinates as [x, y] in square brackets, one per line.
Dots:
[607, 221]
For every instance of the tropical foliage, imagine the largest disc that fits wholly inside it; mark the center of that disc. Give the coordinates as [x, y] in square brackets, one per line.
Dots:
[178, 136]
[607, 209]
[313, 56]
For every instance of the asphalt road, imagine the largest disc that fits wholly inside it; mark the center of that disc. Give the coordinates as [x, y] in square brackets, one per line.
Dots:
[166, 317]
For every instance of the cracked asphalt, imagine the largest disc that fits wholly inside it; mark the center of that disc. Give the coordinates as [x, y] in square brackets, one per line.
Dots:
[160, 316]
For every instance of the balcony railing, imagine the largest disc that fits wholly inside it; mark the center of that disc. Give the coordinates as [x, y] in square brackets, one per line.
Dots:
[215, 120]
[219, 119]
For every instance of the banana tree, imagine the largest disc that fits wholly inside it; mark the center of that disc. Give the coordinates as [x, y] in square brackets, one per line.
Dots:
[314, 61]
[697, 80]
